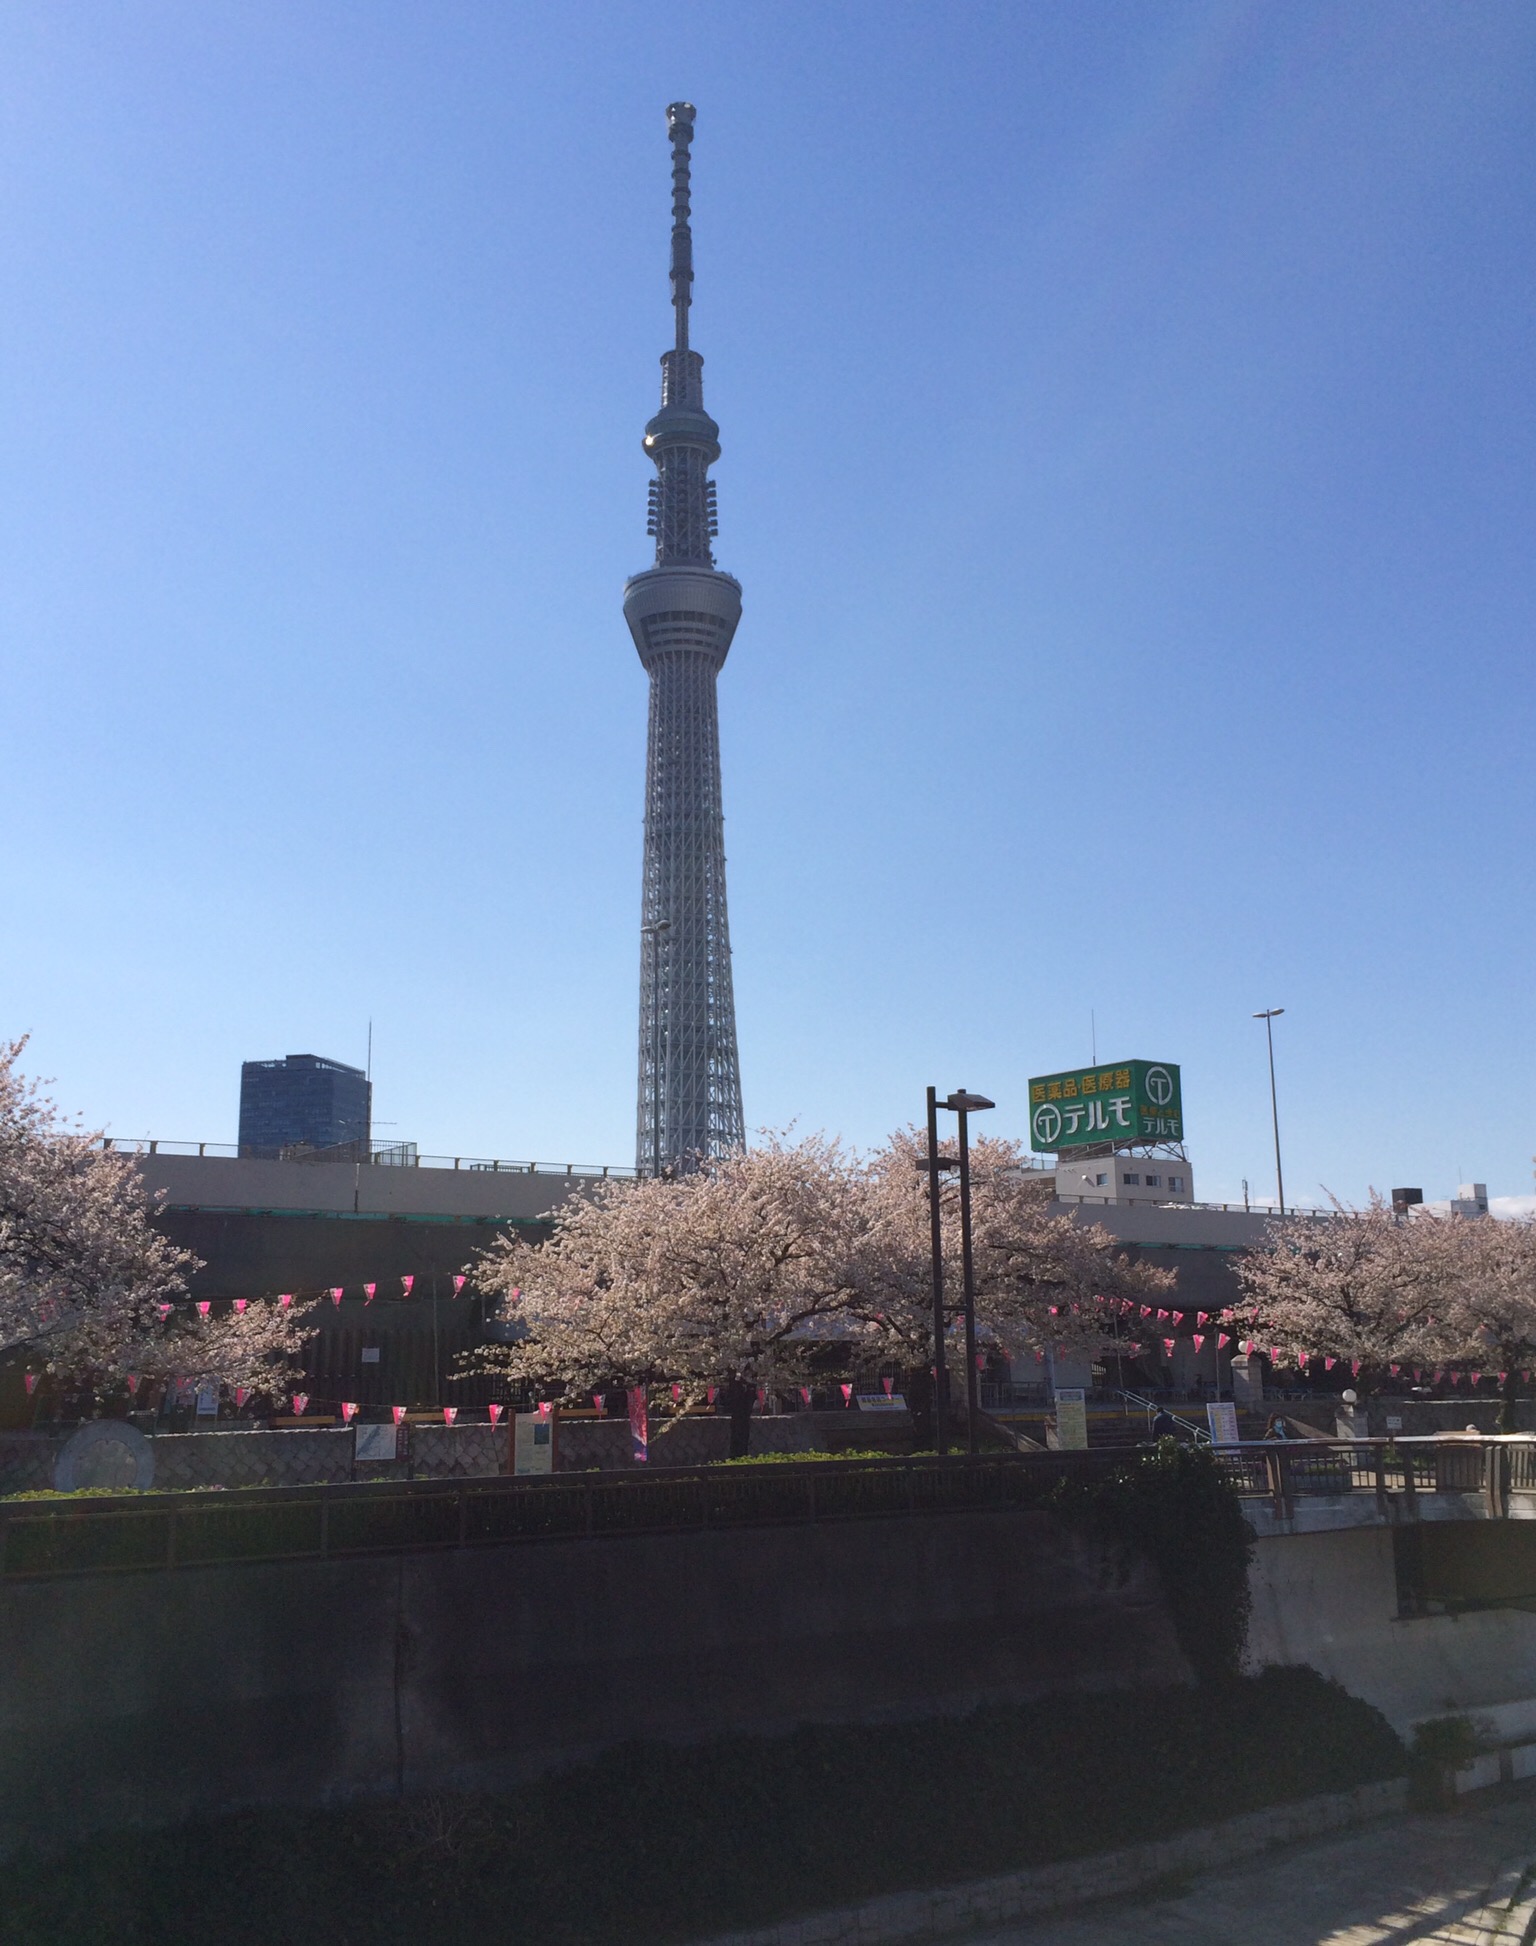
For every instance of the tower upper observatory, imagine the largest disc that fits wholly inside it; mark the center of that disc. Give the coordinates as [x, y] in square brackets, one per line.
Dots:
[682, 614]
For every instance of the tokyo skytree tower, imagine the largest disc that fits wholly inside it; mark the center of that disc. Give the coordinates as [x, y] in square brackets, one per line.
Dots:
[682, 614]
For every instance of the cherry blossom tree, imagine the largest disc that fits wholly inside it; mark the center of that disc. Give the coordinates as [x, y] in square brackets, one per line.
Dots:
[1044, 1281]
[1483, 1270]
[730, 1277]
[1363, 1285]
[751, 1273]
[89, 1289]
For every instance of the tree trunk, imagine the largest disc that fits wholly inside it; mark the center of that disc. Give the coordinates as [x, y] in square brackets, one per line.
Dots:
[1507, 1395]
[919, 1387]
[738, 1400]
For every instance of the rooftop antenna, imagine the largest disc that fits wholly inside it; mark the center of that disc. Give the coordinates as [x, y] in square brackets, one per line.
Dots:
[1093, 1034]
[680, 129]
[370, 1049]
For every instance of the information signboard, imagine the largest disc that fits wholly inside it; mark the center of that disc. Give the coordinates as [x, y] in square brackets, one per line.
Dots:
[1221, 1417]
[1071, 1418]
[533, 1443]
[1121, 1101]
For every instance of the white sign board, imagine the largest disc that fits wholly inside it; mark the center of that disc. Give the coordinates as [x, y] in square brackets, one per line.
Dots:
[376, 1443]
[1394, 1424]
[370, 1354]
[533, 1443]
[1221, 1417]
[208, 1402]
[881, 1401]
[1071, 1418]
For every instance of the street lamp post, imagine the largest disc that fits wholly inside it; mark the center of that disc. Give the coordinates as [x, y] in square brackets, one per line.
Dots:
[964, 1106]
[940, 1368]
[1269, 1016]
[653, 932]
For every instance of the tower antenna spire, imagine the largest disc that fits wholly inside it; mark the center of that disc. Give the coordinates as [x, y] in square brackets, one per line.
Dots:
[680, 128]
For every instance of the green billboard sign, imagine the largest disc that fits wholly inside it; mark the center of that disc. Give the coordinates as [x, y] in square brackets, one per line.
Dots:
[1125, 1101]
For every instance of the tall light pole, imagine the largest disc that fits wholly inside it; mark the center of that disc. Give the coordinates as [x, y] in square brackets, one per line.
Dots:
[936, 1240]
[964, 1105]
[653, 932]
[1269, 1016]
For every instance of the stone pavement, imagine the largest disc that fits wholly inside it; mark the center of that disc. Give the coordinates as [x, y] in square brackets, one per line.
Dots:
[1419, 1880]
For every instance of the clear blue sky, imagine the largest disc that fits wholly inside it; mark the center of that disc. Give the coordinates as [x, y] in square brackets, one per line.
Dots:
[1128, 432]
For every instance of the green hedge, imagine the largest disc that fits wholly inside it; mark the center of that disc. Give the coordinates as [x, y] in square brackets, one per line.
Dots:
[1173, 1505]
[657, 1844]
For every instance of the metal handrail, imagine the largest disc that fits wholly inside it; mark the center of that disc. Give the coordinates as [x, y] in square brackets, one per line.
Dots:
[1178, 1203]
[491, 1165]
[154, 1531]
[1152, 1408]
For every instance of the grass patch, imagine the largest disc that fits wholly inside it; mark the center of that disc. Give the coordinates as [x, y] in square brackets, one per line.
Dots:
[820, 1453]
[654, 1845]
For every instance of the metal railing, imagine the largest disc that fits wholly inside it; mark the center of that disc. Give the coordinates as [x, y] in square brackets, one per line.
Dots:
[1151, 1407]
[1179, 1202]
[159, 1531]
[384, 1155]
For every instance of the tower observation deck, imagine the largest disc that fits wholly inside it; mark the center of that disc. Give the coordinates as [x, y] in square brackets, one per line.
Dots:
[682, 614]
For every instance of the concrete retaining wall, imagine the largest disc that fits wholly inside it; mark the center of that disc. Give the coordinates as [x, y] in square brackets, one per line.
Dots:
[295, 1456]
[145, 1697]
[1331, 1599]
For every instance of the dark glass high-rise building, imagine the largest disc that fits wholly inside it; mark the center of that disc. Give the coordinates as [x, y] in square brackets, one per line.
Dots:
[302, 1101]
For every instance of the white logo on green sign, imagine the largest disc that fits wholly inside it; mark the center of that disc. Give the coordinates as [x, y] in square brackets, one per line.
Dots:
[1159, 1087]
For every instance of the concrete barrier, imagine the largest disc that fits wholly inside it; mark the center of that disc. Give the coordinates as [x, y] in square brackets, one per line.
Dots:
[146, 1697]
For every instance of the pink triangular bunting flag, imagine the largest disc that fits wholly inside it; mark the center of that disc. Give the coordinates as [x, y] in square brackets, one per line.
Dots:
[336, 1291]
[300, 1400]
[348, 1412]
[242, 1393]
[888, 1385]
[398, 1413]
[368, 1291]
[31, 1383]
[458, 1285]
[450, 1413]
[496, 1412]
[133, 1383]
[203, 1307]
[847, 1392]
[240, 1304]
[407, 1282]
[805, 1395]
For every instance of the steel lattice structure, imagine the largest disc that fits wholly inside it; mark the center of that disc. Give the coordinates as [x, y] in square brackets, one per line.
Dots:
[683, 613]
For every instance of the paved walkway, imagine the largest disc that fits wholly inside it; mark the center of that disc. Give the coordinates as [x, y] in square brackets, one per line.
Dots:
[1407, 1882]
